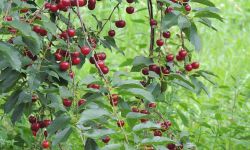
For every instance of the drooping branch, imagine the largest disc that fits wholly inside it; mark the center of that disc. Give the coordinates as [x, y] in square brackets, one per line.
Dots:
[152, 30]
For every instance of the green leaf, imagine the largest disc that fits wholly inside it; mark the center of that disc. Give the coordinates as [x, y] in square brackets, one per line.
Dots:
[208, 14]
[98, 133]
[183, 22]
[140, 62]
[181, 80]
[117, 82]
[169, 20]
[147, 125]
[11, 55]
[8, 79]
[11, 101]
[141, 93]
[194, 37]
[62, 136]
[64, 92]
[24, 97]
[112, 147]
[204, 2]
[157, 140]
[17, 113]
[183, 118]
[91, 114]
[59, 123]
[90, 144]
[133, 115]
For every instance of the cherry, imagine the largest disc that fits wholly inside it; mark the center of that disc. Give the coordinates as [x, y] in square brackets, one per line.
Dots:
[71, 32]
[120, 24]
[188, 67]
[47, 122]
[171, 146]
[159, 42]
[100, 56]
[153, 22]
[32, 119]
[130, 10]
[43, 32]
[93, 86]
[169, 10]
[36, 29]
[85, 50]
[166, 34]
[35, 126]
[144, 111]
[53, 8]
[106, 139]
[195, 65]
[120, 123]
[24, 10]
[67, 102]
[101, 63]
[80, 2]
[81, 102]
[58, 56]
[165, 70]
[62, 7]
[182, 53]
[91, 4]
[187, 7]
[34, 98]
[143, 120]
[76, 61]
[115, 97]
[41, 123]
[64, 35]
[155, 68]
[47, 5]
[71, 74]
[64, 66]
[104, 69]
[8, 18]
[45, 144]
[134, 109]
[45, 133]
[34, 133]
[157, 133]
[169, 57]
[179, 58]
[66, 2]
[145, 71]
[130, 1]
[75, 54]
[111, 33]
[152, 105]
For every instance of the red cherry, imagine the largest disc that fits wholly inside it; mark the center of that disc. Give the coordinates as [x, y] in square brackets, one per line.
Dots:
[71, 32]
[157, 133]
[130, 1]
[36, 29]
[35, 126]
[104, 69]
[100, 63]
[143, 120]
[45, 144]
[159, 42]
[152, 105]
[188, 67]
[93, 86]
[41, 123]
[114, 99]
[169, 10]
[42, 32]
[100, 56]
[47, 122]
[120, 123]
[67, 102]
[62, 7]
[34, 133]
[134, 109]
[195, 65]
[47, 5]
[183, 53]
[155, 68]
[169, 57]
[58, 56]
[106, 139]
[179, 58]
[66, 2]
[171, 146]
[85, 50]
[34, 98]
[75, 54]
[24, 10]
[64, 66]
[91, 4]
[76, 61]
[166, 34]
[81, 102]
[144, 111]
[32, 119]
[45, 133]
[64, 35]
[53, 8]
[80, 2]
[71, 74]
[145, 71]
[165, 70]
[153, 22]
[111, 33]
[187, 7]
[120, 24]
[130, 10]
[8, 18]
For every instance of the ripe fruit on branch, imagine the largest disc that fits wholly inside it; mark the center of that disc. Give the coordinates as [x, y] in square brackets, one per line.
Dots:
[144, 111]
[85, 50]
[81, 3]
[53, 8]
[157, 133]
[47, 122]
[43, 32]
[152, 105]
[169, 10]
[134, 109]
[130, 1]
[130, 10]
[114, 99]
[66, 3]
[91, 4]
[182, 53]
[8, 18]
[188, 67]
[47, 5]
[159, 42]
[45, 144]
[120, 123]
[153, 22]
[171, 146]
[67, 102]
[120, 24]
[32, 119]
[169, 57]
[188, 8]
[35, 126]
[58, 57]
[81, 102]
[111, 33]
[104, 69]
[75, 54]
[195, 65]
[155, 68]
[145, 71]
[71, 32]
[101, 63]
[165, 70]
[100, 56]
[76, 61]
[93, 86]
[106, 139]
[64, 66]
[166, 34]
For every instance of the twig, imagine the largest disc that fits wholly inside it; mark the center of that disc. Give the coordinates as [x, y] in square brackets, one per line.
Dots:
[152, 30]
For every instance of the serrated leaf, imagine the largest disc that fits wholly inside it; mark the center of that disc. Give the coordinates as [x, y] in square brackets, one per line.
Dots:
[58, 124]
[17, 113]
[91, 114]
[11, 101]
[98, 133]
[147, 125]
[183, 22]
[62, 136]
[146, 95]
[169, 20]
[133, 115]
[194, 37]
[90, 144]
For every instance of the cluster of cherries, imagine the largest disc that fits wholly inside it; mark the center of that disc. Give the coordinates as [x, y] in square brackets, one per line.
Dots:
[63, 5]
[67, 102]
[36, 125]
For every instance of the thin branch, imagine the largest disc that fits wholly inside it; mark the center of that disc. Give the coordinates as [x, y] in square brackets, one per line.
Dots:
[152, 30]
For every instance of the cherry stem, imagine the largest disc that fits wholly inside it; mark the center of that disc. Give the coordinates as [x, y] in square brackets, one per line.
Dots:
[152, 30]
